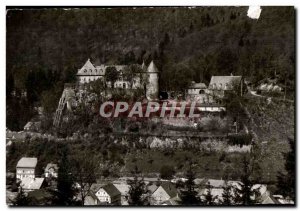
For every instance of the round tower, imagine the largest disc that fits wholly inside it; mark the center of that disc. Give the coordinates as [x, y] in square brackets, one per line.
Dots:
[152, 87]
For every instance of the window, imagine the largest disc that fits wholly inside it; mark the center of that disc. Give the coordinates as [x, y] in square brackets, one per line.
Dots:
[124, 85]
[85, 70]
[201, 91]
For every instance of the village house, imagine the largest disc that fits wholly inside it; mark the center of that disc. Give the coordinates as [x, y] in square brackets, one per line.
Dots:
[124, 190]
[163, 193]
[220, 85]
[108, 194]
[31, 184]
[197, 92]
[216, 188]
[91, 199]
[51, 170]
[32, 126]
[26, 168]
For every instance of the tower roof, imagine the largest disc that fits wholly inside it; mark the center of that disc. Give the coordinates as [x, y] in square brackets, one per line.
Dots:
[152, 68]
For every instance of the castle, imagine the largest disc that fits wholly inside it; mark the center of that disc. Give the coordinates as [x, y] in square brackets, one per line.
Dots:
[146, 78]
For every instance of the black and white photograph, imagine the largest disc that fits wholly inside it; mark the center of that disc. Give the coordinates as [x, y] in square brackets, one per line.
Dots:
[161, 106]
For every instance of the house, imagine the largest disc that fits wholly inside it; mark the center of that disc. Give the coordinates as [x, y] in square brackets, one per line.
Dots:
[220, 85]
[51, 170]
[124, 190]
[216, 188]
[197, 92]
[108, 194]
[164, 192]
[30, 184]
[26, 168]
[32, 126]
[91, 199]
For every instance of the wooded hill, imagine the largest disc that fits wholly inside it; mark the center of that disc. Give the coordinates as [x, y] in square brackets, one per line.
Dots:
[46, 47]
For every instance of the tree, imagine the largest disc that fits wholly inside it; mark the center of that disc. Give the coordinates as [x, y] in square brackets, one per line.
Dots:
[227, 194]
[166, 172]
[111, 75]
[84, 168]
[188, 195]
[21, 199]
[138, 193]
[246, 194]
[209, 199]
[130, 73]
[286, 182]
[65, 182]
[96, 87]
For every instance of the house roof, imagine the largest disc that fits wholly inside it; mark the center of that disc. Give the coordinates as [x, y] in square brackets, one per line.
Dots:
[51, 165]
[152, 188]
[224, 82]
[28, 124]
[171, 202]
[88, 69]
[91, 198]
[152, 68]
[32, 183]
[27, 162]
[123, 188]
[111, 190]
[197, 86]
[169, 188]
[96, 186]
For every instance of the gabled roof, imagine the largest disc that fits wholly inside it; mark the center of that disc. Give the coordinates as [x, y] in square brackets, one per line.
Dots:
[87, 68]
[152, 68]
[224, 82]
[27, 162]
[123, 188]
[152, 188]
[32, 183]
[96, 186]
[91, 199]
[169, 188]
[111, 190]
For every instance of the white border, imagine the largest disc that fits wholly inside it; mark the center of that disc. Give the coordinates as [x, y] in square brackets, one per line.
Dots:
[5, 3]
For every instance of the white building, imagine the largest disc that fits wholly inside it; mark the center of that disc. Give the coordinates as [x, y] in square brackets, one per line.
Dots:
[51, 170]
[108, 194]
[146, 79]
[26, 168]
[197, 92]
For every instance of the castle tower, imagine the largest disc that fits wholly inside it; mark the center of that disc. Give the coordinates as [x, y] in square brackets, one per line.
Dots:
[152, 88]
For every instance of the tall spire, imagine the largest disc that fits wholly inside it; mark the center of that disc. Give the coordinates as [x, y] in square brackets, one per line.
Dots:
[152, 68]
[143, 65]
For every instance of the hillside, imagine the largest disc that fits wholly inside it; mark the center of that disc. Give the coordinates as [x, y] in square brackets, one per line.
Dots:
[45, 47]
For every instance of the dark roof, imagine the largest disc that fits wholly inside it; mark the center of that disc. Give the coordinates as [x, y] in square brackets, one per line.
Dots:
[111, 190]
[170, 189]
[96, 186]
